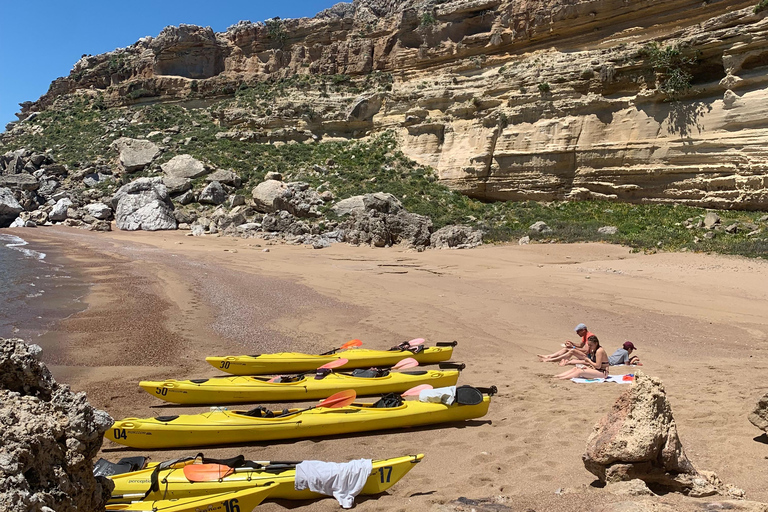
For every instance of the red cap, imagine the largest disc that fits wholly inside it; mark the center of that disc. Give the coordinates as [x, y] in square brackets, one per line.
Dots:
[629, 345]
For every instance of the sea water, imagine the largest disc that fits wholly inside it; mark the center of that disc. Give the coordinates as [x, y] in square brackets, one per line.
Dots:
[35, 289]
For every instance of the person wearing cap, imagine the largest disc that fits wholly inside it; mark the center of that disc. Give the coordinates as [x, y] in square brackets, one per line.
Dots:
[622, 355]
[570, 347]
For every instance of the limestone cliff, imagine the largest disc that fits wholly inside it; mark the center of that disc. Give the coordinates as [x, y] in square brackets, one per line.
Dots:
[532, 99]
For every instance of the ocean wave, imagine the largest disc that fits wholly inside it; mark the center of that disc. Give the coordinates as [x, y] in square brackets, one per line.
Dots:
[17, 243]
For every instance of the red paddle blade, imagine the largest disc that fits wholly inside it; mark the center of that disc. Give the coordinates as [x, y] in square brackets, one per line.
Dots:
[275, 378]
[416, 342]
[351, 344]
[406, 363]
[206, 472]
[340, 399]
[414, 391]
[335, 364]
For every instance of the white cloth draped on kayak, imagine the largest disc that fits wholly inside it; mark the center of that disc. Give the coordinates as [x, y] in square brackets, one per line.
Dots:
[343, 480]
[444, 395]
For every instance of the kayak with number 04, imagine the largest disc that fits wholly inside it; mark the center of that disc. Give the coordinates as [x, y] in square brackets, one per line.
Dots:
[296, 362]
[191, 477]
[242, 389]
[337, 416]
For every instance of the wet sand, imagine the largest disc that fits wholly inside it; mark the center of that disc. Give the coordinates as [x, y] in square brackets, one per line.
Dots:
[161, 302]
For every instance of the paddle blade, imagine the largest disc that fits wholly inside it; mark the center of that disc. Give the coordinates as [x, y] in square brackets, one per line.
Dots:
[276, 378]
[335, 364]
[351, 344]
[406, 363]
[206, 472]
[340, 399]
[416, 342]
[414, 391]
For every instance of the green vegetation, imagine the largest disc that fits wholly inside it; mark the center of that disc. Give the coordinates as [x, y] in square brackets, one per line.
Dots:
[544, 87]
[79, 131]
[276, 31]
[427, 19]
[672, 65]
[761, 6]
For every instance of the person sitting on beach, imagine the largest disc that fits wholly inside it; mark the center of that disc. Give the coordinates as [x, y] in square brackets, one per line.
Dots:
[595, 366]
[570, 347]
[624, 355]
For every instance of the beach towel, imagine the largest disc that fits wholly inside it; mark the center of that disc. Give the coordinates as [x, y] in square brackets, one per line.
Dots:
[343, 481]
[445, 395]
[618, 379]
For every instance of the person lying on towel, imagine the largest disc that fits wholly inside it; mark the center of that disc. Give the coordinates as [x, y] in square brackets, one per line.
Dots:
[624, 355]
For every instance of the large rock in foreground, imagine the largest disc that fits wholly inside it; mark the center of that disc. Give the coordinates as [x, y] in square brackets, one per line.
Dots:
[9, 207]
[759, 416]
[49, 438]
[638, 440]
[143, 204]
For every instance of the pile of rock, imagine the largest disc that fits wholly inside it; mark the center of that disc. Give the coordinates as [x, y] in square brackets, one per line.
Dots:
[637, 442]
[49, 438]
[712, 224]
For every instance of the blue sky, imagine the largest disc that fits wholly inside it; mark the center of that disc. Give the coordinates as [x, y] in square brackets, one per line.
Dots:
[40, 40]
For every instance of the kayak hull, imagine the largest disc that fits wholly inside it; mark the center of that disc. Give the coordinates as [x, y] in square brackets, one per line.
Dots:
[234, 427]
[296, 362]
[242, 389]
[385, 474]
[244, 499]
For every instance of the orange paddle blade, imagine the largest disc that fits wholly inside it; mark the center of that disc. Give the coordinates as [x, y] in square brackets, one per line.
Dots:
[335, 364]
[416, 342]
[414, 391]
[351, 344]
[340, 399]
[206, 472]
[406, 363]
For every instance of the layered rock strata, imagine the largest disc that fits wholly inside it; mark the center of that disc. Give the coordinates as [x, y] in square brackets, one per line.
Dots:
[50, 437]
[542, 99]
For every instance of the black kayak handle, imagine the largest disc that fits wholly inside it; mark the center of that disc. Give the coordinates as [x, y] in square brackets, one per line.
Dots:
[452, 366]
[447, 343]
[488, 391]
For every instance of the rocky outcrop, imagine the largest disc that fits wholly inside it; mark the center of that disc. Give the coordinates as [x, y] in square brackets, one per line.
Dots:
[135, 154]
[456, 237]
[759, 416]
[184, 166]
[143, 204]
[9, 207]
[638, 440]
[50, 437]
[296, 198]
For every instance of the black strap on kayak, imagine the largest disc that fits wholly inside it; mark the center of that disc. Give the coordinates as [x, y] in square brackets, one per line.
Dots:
[234, 462]
[446, 343]
[154, 485]
[452, 366]
[388, 401]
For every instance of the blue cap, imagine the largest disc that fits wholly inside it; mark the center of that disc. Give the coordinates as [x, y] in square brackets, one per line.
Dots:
[580, 327]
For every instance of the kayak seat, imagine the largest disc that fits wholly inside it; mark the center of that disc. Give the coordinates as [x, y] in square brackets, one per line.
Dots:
[198, 381]
[388, 401]
[467, 395]
[288, 378]
[418, 349]
[369, 373]
[416, 372]
[166, 419]
[259, 412]
[125, 465]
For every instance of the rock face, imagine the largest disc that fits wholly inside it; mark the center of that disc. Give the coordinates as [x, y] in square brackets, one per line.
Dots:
[638, 440]
[759, 417]
[50, 436]
[143, 204]
[135, 154]
[9, 207]
[456, 237]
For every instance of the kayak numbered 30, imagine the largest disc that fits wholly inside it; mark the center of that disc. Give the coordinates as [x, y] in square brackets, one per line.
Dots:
[296, 362]
[178, 481]
[243, 389]
[237, 427]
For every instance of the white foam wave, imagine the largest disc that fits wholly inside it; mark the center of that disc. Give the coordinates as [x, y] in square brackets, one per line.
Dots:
[17, 243]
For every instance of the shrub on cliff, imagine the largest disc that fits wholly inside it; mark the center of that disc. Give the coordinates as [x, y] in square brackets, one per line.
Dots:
[671, 64]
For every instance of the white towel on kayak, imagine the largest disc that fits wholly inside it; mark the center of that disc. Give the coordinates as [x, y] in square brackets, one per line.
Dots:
[439, 395]
[342, 480]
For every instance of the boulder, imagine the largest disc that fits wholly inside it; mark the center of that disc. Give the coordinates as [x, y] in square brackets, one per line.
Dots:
[638, 439]
[456, 237]
[176, 185]
[540, 227]
[224, 177]
[135, 154]
[411, 229]
[184, 166]
[21, 181]
[608, 230]
[265, 193]
[213, 194]
[143, 204]
[9, 207]
[759, 417]
[50, 437]
[99, 211]
[711, 219]
[380, 201]
[186, 198]
[60, 209]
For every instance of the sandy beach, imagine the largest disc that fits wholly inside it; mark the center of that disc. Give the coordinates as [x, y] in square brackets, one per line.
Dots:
[160, 302]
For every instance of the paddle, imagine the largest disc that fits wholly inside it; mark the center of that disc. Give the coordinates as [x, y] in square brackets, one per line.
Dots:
[328, 367]
[206, 472]
[340, 399]
[350, 344]
[406, 363]
[414, 391]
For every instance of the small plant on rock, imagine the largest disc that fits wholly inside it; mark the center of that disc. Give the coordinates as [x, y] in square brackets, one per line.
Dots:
[761, 6]
[544, 87]
[427, 19]
[671, 65]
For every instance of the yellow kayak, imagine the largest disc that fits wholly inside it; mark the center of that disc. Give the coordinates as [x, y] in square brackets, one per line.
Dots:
[242, 500]
[241, 389]
[296, 362]
[176, 484]
[238, 427]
